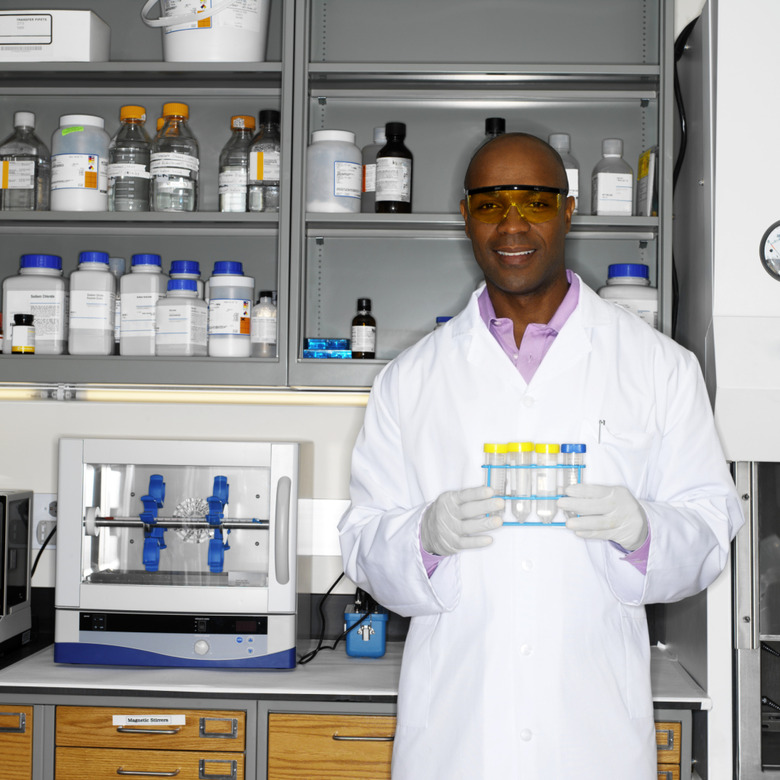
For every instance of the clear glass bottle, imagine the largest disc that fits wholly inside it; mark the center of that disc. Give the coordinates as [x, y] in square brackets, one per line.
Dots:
[265, 164]
[363, 331]
[561, 142]
[612, 182]
[175, 162]
[369, 152]
[128, 162]
[264, 325]
[234, 163]
[394, 173]
[25, 168]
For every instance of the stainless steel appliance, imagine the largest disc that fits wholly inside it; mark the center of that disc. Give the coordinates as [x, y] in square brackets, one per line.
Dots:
[15, 543]
[176, 553]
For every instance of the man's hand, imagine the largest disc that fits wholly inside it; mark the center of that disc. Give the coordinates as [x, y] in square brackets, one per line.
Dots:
[450, 522]
[605, 512]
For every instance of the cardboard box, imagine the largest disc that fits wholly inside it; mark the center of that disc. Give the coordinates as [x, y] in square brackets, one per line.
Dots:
[53, 36]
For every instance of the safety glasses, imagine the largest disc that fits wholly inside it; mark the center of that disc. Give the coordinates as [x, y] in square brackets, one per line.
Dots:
[534, 204]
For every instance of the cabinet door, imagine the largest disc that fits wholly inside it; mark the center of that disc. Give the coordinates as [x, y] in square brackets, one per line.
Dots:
[169, 729]
[70, 763]
[16, 729]
[329, 747]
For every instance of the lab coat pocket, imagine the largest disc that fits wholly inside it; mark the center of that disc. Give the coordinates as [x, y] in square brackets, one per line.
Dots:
[636, 645]
[414, 687]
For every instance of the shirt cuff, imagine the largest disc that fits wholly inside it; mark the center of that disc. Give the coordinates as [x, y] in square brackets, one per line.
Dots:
[637, 558]
[430, 561]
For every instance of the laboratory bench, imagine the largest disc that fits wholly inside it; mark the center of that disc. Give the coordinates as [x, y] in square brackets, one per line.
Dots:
[225, 724]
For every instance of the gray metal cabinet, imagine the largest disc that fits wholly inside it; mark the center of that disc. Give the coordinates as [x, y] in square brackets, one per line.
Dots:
[214, 92]
[595, 70]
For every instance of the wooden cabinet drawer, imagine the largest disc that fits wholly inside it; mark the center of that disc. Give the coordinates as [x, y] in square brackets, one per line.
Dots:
[75, 763]
[667, 739]
[16, 738]
[341, 747]
[165, 729]
[668, 772]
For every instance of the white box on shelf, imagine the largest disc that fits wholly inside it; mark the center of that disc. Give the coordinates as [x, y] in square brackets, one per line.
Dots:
[50, 35]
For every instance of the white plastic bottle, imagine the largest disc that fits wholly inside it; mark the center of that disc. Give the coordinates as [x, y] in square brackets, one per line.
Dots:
[40, 290]
[264, 326]
[175, 162]
[140, 290]
[333, 172]
[628, 286]
[230, 310]
[92, 306]
[79, 164]
[25, 168]
[181, 318]
[612, 182]
[368, 154]
[188, 269]
[561, 142]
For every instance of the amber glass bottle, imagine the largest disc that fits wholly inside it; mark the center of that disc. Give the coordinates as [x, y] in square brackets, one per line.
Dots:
[363, 331]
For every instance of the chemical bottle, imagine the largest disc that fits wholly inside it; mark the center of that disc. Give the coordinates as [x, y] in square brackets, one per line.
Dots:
[628, 286]
[23, 335]
[612, 182]
[394, 173]
[494, 127]
[234, 163]
[92, 306]
[79, 164]
[546, 483]
[40, 290]
[363, 331]
[265, 164]
[117, 267]
[181, 319]
[140, 290]
[230, 310]
[128, 162]
[521, 456]
[561, 142]
[188, 269]
[333, 172]
[368, 153]
[264, 326]
[25, 168]
[175, 162]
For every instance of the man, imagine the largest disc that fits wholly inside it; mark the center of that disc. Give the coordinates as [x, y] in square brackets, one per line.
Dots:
[528, 652]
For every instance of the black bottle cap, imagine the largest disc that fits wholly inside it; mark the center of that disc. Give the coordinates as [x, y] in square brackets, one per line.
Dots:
[268, 116]
[364, 303]
[23, 319]
[395, 128]
[495, 125]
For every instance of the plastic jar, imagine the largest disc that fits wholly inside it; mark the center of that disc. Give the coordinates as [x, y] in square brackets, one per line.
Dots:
[333, 172]
[79, 164]
[230, 310]
[188, 269]
[40, 290]
[92, 306]
[181, 319]
[628, 286]
[139, 291]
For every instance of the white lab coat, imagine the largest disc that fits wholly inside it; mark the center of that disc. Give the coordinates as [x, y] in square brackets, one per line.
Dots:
[530, 658]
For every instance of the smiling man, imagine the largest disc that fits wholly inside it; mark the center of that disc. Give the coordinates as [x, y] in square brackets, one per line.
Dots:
[528, 652]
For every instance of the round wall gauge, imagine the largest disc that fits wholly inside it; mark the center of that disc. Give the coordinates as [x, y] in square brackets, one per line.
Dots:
[770, 250]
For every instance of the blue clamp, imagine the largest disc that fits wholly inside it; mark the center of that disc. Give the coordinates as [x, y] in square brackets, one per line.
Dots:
[217, 545]
[154, 536]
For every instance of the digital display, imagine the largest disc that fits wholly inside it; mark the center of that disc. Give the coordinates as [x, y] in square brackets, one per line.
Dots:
[246, 626]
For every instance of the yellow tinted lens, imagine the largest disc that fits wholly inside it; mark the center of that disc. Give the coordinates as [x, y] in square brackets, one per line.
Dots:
[534, 207]
[489, 206]
[538, 206]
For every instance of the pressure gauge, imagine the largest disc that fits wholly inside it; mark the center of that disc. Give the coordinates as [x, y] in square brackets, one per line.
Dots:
[770, 250]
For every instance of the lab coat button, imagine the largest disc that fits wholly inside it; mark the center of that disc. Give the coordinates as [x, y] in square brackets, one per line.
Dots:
[527, 565]
[528, 401]
[525, 649]
[526, 735]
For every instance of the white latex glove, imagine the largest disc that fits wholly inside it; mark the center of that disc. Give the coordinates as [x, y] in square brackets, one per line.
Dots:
[605, 512]
[449, 523]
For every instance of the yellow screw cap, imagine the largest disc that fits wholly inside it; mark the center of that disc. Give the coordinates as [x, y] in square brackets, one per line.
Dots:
[176, 109]
[550, 449]
[490, 447]
[245, 122]
[132, 112]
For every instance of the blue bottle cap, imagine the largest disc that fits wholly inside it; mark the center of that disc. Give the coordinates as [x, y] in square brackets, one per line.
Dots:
[573, 448]
[183, 284]
[230, 267]
[41, 261]
[638, 270]
[185, 267]
[144, 259]
[93, 257]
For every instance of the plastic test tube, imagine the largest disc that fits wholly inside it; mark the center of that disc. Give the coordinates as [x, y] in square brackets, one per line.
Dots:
[495, 455]
[572, 455]
[546, 481]
[520, 454]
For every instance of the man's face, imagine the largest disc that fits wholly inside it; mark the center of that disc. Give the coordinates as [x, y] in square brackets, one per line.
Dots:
[516, 256]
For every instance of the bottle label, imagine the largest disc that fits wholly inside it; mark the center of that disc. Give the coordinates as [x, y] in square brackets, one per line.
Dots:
[264, 330]
[23, 339]
[231, 182]
[573, 175]
[48, 308]
[181, 324]
[346, 179]
[117, 318]
[240, 14]
[17, 175]
[79, 172]
[91, 310]
[612, 194]
[138, 310]
[394, 179]
[369, 177]
[229, 317]
[130, 170]
[264, 166]
[174, 164]
[363, 338]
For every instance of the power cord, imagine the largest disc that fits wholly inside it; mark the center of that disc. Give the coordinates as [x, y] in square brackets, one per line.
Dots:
[42, 548]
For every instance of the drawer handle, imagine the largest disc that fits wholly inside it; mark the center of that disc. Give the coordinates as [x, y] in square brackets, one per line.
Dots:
[219, 734]
[203, 775]
[140, 730]
[122, 771]
[13, 729]
[665, 775]
[339, 738]
[669, 739]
